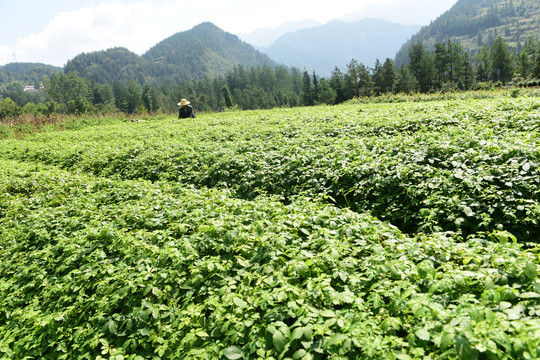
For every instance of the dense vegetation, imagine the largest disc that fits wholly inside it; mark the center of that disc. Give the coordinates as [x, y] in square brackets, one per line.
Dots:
[215, 70]
[204, 52]
[478, 23]
[30, 74]
[465, 167]
[219, 237]
[447, 68]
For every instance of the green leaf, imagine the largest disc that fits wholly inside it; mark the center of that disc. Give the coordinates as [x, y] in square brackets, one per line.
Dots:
[464, 349]
[403, 357]
[530, 271]
[468, 211]
[336, 339]
[446, 339]
[202, 334]
[233, 353]
[299, 354]
[530, 295]
[514, 313]
[327, 313]
[239, 302]
[113, 327]
[423, 334]
[279, 340]
[297, 333]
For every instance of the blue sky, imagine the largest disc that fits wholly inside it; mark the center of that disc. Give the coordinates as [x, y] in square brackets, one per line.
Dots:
[55, 31]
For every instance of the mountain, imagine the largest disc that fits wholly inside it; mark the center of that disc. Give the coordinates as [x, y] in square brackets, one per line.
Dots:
[26, 73]
[26, 68]
[474, 23]
[324, 47]
[108, 66]
[204, 51]
[266, 36]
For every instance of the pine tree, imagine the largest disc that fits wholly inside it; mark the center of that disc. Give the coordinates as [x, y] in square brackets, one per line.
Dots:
[389, 76]
[406, 83]
[501, 61]
[352, 79]
[421, 66]
[226, 93]
[307, 95]
[484, 64]
[441, 63]
[536, 72]
[135, 96]
[338, 84]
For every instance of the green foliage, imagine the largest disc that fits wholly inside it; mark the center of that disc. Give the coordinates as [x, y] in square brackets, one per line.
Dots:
[501, 61]
[226, 94]
[27, 73]
[475, 24]
[71, 91]
[202, 52]
[8, 108]
[108, 66]
[97, 268]
[462, 165]
[537, 68]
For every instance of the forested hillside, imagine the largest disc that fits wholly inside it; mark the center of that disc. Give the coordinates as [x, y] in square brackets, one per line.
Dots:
[27, 71]
[29, 74]
[108, 66]
[20, 82]
[476, 23]
[205, 51]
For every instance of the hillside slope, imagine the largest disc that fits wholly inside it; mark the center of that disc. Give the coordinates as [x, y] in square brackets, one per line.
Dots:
[108, 66]
[475, 23]
[26, 73]
[204, 51]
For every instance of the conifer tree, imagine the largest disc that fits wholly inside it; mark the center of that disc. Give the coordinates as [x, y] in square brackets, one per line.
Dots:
[226, 93]
[501, 61]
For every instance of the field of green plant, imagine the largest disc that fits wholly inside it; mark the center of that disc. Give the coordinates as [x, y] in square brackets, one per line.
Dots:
[394, 231]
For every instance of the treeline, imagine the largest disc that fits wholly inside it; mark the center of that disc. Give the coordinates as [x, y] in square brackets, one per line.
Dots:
[479, 22]
[446, 68]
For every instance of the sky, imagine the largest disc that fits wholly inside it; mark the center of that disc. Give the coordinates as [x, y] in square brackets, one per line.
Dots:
[55, 31]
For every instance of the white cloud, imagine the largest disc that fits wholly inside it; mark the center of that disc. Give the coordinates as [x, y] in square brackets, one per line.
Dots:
[6, 55]
[141, 24]
[136, 26]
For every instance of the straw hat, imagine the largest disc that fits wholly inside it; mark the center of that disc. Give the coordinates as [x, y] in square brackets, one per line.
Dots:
[183, 102]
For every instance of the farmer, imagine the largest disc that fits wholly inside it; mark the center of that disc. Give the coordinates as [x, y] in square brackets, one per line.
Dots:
[186, 110]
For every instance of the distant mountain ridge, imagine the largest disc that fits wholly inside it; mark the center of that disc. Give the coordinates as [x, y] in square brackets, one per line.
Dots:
[204, 51]
[26, 73]
[324, 47]
[474, 23]
[262, 38]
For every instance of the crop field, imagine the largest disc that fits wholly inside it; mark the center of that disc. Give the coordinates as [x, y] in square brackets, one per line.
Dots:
[386, 231]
